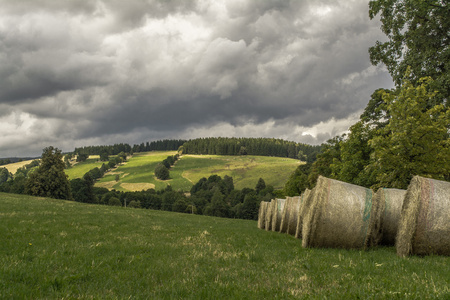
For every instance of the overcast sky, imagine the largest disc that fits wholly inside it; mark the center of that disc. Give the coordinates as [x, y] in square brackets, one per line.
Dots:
[76, 73]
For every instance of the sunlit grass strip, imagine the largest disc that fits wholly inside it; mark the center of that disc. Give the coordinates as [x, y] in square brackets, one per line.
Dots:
[79, 169]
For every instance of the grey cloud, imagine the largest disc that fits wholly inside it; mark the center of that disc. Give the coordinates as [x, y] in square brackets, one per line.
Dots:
[166, 69]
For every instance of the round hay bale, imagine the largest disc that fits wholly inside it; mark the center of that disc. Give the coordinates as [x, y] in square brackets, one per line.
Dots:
[293, 215]
[262, 214]
[276, 217]
[303, 209]
[285, 215]
[338, 216]
[384, 217]
[424, 226]
[269, 215]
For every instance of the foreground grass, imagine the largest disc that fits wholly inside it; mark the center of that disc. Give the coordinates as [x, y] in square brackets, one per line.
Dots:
[55, 249]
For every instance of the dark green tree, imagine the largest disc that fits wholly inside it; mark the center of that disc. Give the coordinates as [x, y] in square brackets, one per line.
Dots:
[298, 181]
[218, 207]
[82, 157]
[114, 201]
[104, 156]
[161, 172]
[416, 141]
[250, 207]
[418, 36]
[261, 185]
[49, 180]
[4, 175]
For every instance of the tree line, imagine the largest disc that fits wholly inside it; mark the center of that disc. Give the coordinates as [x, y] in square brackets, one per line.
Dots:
[213, 146]
[404, 131]
[160, 145]
[251, 146]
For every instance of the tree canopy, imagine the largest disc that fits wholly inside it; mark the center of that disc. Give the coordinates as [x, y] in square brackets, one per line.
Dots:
[418, 33]
[49, 179]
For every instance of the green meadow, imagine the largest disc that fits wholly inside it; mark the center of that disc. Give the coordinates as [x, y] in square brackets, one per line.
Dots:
[138, 172]
[245, 170]
[60, 249]
[81, 168]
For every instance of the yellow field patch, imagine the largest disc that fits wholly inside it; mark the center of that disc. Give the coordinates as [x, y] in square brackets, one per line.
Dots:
[12, 168]
[109, 184]
[137, 186]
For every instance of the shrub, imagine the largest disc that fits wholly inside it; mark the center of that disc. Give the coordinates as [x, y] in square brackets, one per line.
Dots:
[161, 172]
[114, 201]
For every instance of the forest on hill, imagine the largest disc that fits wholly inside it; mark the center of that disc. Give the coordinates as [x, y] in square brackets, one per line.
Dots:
[214, 146]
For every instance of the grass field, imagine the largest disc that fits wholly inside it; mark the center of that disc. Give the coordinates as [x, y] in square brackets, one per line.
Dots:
[81, 168]
[138, 172]
[58, 249]
[245, 170]
[12, 168]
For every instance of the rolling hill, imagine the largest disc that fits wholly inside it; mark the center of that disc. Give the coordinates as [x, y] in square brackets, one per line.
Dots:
[138, 172]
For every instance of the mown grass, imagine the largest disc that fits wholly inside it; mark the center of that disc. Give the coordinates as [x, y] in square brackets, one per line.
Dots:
[12, 168]
[59, 249]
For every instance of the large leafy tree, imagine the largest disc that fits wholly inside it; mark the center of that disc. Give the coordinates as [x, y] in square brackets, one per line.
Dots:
[418, 33]
[49, 180]
[355, 156]
[416, 140]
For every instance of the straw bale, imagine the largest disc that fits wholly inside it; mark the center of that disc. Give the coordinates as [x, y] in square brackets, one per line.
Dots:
[269, 214]
[276, 217]
[262, 214]
[293, 215]
[285, 215]
[303, 209]
[384, 217]
[338, 216]
[425, 218]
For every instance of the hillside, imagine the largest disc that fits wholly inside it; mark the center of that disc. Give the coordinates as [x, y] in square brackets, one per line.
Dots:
[14, 166]
[60, 249]
[138, 172]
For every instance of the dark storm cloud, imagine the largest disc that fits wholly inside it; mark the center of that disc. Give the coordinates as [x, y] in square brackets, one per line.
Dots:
[96, 72]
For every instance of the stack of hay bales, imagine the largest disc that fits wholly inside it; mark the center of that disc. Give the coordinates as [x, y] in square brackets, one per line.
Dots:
[384, 217]
[293, 215]
[285, 214]
[305, 203]
[269, 214]
[262, 214]
[338, 215]
[425, 218]
[277, 210]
